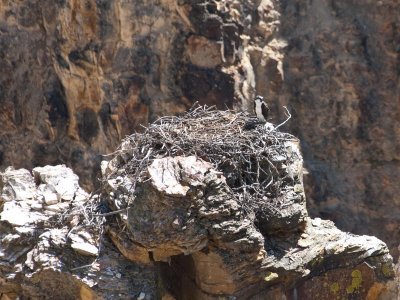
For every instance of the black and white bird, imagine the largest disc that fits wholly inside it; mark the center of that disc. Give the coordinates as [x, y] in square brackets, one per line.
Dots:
[261, 109]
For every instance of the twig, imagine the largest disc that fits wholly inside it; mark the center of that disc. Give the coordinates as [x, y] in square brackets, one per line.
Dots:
[82, 267]
[288, 118]
[244, 156]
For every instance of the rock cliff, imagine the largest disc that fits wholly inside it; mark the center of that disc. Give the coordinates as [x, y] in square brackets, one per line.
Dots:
[209, 205]
[49, 251]
[77, 76]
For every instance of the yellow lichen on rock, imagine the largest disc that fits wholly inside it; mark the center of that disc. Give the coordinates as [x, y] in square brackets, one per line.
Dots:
[271, 276]
[335, 287]
[355, 282]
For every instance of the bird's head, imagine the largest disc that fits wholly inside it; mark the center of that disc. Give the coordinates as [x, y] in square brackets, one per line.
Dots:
[259, 99]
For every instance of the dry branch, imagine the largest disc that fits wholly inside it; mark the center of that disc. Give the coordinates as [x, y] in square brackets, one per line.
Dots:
[249, 156]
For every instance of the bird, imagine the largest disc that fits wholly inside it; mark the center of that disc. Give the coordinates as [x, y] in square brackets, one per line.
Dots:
[261, 109]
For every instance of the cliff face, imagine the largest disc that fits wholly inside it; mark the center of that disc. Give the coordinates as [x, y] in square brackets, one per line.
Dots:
[191, 237]
[77, 76]
[341, 71]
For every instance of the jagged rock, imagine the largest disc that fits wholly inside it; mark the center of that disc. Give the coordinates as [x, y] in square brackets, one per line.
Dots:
[185, 214]
[331, 61]
[20, 214]
[188, 218]
[55, 186]
[79, 76]
[49, 194]
[184, 202]
[17, 185]
[47, 252]
[204, 53]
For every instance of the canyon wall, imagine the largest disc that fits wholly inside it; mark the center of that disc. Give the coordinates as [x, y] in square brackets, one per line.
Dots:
[341, 70]
[77, 76]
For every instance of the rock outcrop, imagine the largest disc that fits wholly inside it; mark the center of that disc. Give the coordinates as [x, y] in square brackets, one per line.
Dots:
[185, 215]
[341, 79]
[184, 211]
[77, 76]
[49, 251]
[208, 205]
[190, 221]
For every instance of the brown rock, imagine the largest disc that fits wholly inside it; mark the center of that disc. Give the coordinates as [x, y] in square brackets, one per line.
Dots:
[219, 251]
[341, 84]
[78, 76]
[203, 52]
[359, 282]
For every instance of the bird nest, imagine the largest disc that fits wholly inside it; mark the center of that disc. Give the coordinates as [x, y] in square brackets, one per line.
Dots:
[248, 154]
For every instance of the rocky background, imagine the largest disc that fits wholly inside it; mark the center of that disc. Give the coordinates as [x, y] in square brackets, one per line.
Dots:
[191, 239]
[77, 76]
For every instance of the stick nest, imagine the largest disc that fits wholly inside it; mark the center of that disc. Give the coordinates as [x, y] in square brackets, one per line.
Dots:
[251, 157]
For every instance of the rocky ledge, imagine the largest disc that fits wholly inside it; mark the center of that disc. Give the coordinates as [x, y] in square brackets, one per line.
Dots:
[187, 226]
[185, 216]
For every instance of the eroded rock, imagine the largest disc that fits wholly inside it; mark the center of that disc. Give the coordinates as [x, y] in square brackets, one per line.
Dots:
[190, 219]
[222, 211]
[17, 185]
[112, 66]
[185, 214]
[50, 251]
[59, 181]
[204, 53]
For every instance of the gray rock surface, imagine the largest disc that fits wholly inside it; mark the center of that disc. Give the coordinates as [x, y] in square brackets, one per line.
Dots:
[17, 185]
[190, 233]
[51, 251]
[77, 76]
[185, 214]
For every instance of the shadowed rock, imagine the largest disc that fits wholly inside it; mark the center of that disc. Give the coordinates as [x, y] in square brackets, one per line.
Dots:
[185, 211]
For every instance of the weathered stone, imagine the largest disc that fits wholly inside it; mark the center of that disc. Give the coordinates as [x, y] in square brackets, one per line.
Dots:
[114, 66]
[16, 185]
[19, 215]
[121, 64]
[66, 185]
[184, 214]
[47, 253]
[57, 207]
[204, 53]
[178, 176]
[336, 70]
[36, 206]
[191, 173]
[85, 249]
[359, 282]
[47, 193]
